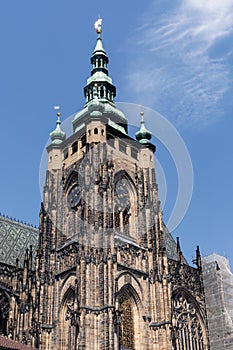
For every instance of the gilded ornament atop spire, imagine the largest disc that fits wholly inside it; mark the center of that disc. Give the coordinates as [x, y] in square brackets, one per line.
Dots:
[98, 26]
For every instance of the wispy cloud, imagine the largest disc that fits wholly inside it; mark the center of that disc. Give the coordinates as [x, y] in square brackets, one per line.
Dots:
[183, 69]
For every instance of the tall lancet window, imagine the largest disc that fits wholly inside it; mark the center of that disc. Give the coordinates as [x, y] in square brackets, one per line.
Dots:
[124, 202]
[126, 331]
[69, 321]
[188, 329]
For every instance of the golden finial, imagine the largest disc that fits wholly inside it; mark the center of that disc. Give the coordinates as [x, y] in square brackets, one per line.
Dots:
[57, 108]
[142, 117]
[98, 26]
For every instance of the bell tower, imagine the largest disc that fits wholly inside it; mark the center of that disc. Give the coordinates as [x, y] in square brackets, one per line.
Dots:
[107, 267]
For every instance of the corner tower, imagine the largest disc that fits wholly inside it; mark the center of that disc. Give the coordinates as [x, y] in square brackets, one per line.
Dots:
[108, 272]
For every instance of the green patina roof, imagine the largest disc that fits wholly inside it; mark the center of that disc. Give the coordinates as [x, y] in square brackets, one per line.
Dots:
[99, 77]
[99, 49]
[143, 135]
[116, 126]
[57, 136]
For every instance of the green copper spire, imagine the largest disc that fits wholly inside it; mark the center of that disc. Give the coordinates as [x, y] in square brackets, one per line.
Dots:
[57, 136]
[100, 92]
[143, 135]
[99, 74]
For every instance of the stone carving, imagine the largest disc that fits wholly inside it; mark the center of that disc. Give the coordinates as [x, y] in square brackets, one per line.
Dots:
[187, 331]
[186, 276]
[130, 255]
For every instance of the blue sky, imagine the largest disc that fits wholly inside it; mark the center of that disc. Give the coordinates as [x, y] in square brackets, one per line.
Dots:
[176, 60]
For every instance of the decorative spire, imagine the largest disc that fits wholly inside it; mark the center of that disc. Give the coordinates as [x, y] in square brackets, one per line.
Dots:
[99, 91]
[99, 74]
[179, 251]
[198, 257]
[143, 135]
[57, 136]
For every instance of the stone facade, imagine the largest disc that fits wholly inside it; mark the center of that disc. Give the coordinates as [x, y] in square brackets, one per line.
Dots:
[108, 274]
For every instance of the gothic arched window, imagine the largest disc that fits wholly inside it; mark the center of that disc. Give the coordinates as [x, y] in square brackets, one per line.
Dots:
[126, 331]
[124, 200]
[69, 320]
[188, 331]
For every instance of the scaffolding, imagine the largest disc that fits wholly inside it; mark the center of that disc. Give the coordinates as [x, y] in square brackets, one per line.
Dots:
[218, 283]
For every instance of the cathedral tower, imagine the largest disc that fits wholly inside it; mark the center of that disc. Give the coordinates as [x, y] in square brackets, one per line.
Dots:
[108, 274]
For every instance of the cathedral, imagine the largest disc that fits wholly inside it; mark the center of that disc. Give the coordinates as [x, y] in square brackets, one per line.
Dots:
[103, 272]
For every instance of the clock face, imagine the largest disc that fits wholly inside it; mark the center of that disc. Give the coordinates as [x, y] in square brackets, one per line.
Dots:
[74, 196]
[122, 194]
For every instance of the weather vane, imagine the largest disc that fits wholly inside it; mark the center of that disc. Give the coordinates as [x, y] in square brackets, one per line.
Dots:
[98, 26]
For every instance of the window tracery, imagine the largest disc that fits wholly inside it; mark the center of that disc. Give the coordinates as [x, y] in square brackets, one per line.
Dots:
[188, 332]
[70, 320]
[126, 332]
[124, 203]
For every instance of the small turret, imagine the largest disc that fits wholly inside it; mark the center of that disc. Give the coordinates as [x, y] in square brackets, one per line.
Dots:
[179, 251]
[57, 136]
[198, 258]
[143, 135]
